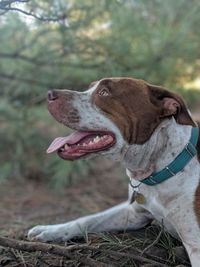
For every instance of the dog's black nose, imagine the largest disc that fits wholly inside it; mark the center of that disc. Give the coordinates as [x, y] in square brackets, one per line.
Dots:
[52, 95]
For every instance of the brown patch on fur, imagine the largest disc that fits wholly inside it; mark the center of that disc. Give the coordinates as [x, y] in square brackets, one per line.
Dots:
[198, 144]
[159, 96]
[197, 193]
[62, 110]
[197, 203]
[137, 108]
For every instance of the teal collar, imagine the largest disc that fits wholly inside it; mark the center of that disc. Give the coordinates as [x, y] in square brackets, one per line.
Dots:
[179, 162]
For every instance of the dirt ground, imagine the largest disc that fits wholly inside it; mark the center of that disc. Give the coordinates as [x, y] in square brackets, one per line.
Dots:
[28, 203]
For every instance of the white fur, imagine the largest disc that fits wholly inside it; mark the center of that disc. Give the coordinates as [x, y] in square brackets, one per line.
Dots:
[170, 202]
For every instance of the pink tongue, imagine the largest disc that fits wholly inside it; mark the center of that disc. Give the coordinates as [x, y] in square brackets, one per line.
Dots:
[70, 140]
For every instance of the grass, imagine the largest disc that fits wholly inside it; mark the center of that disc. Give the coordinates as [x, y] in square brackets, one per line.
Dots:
[151, 246]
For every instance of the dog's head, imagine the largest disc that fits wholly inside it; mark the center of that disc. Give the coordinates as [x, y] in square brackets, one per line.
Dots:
[112, 114]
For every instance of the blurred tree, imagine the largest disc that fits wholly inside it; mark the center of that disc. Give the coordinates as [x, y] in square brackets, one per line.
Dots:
[67, 44]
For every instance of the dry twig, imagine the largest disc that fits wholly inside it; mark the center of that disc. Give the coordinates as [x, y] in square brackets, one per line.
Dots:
[154, 242]
[52, 249]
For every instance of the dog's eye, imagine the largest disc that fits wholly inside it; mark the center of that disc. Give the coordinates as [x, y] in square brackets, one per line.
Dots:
[104, 92]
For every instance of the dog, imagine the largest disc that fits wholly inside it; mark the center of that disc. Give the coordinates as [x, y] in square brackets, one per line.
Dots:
[146, 128]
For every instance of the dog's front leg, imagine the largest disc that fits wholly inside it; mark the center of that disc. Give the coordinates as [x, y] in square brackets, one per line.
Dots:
[121, 217]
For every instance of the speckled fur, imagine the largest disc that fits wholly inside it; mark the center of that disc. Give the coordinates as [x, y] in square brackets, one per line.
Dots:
[175, 202]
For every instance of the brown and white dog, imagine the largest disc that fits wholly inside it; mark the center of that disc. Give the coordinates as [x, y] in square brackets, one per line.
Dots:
[144, 127]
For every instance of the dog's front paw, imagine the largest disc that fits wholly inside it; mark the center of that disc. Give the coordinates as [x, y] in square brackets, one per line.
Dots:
[45, 233]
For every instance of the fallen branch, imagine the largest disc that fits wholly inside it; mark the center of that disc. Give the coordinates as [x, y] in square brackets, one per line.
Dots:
[51, 249]
[70, 252]
[138, 258]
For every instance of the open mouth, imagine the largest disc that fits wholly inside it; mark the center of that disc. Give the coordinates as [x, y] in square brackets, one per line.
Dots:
[81, 143]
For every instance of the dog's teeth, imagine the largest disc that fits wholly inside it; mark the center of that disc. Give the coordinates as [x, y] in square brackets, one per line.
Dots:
[66, 146]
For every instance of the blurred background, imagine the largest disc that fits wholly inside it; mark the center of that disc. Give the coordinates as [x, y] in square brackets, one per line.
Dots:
[47, 44]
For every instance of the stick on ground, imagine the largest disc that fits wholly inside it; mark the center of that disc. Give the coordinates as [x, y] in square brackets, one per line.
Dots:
[49, 248]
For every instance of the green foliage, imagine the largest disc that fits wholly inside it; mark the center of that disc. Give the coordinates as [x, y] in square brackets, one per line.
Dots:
[22, 143]
[66, 173]
[192, 97]
[68, 44]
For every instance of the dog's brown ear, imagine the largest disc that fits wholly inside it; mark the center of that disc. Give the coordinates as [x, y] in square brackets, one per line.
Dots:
[170, 104]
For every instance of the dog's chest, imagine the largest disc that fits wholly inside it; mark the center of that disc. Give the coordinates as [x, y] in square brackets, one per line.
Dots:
[161, 214]
[155, 206]
[162, 199]
[152, 202]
